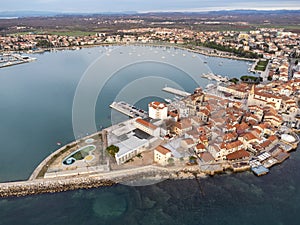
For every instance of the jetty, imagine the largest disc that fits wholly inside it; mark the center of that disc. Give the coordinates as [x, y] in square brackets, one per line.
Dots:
[128, 110]
[211, 76]
[176, 91]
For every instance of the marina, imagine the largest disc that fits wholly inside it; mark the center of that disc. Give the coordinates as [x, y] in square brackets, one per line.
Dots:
[14, 59]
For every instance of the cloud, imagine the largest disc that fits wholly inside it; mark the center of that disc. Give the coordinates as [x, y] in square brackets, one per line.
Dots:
[144, 5]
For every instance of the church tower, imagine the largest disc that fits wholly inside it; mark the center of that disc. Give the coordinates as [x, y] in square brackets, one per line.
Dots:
[251, 96]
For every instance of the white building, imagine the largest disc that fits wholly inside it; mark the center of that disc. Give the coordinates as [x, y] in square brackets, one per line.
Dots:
[161, 155]
[130, 148]
[158, 110]
[147, 127]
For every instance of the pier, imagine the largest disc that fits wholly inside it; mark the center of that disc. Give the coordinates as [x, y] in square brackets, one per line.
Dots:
[176, 91]
[128, 110]
[215, 77]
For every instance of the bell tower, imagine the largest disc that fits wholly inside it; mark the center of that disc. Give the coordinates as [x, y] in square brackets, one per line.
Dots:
[251, 96]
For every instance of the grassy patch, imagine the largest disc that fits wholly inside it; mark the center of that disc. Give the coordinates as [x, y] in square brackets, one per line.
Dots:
[78, 156]
[74, 33]
[261, 65]
[71, 33]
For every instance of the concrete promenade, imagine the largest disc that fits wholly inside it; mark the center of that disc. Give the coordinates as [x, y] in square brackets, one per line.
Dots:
[47, 160]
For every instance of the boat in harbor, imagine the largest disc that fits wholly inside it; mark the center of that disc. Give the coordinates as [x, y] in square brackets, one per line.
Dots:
[167, 100]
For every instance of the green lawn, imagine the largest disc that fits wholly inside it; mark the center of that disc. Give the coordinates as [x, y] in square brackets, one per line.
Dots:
[76, 33]
[261, 65]
[83, 153]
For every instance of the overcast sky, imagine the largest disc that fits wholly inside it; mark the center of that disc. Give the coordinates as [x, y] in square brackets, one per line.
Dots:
[143, 5]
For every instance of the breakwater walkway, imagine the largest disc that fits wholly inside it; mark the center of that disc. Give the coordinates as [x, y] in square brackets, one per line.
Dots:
[40, 186]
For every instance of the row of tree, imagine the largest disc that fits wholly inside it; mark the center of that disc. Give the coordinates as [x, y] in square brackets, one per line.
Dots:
[238, 52]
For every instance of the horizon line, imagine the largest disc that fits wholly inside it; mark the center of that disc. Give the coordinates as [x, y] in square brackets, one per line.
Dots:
[158, 11]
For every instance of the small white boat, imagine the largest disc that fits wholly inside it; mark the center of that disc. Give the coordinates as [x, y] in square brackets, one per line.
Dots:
[167, 100]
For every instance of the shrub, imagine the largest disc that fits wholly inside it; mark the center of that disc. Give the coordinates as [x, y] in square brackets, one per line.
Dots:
[112, 150]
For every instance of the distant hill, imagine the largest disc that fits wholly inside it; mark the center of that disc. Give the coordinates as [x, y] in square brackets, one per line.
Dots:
[27, 13]
[22, 14]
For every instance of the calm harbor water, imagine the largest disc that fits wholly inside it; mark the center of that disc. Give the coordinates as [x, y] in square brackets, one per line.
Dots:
[36, 112]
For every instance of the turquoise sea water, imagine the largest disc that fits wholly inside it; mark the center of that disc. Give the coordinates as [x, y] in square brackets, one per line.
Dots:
[36, 112]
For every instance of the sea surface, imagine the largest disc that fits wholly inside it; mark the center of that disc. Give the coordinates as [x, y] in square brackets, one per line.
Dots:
[36, 111]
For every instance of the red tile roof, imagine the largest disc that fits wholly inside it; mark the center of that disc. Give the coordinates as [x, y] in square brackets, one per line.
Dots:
[238, 155]
[146, 124]
[163, 150]
[200, 146]
[157, 105]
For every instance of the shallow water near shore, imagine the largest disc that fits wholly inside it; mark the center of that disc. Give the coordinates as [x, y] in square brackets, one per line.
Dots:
[36, 111]
[223, 199]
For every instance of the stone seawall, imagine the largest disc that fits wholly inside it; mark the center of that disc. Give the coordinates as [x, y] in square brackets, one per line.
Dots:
[50, 186]
[141, 175]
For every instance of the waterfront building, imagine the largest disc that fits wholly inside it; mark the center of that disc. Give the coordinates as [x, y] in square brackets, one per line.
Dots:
[130, 148]
[241, 154]
[161, 155]
[158, 110]
[232, 146]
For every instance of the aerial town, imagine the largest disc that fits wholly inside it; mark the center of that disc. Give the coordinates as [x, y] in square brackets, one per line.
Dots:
[240, 127]
[245, 124]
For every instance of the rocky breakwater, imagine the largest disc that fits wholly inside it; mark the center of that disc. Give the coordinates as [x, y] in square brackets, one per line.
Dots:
[136, 176]
[41, 186]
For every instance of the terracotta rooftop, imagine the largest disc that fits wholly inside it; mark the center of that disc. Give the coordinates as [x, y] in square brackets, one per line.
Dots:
[249, 136]
[238, 155]
[157, 105]
[200, 146]
[163, 150]
[146, 124]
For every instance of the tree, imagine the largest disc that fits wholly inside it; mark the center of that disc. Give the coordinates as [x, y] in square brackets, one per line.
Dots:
[171, 161]
[234, 80]
[44, 44]
[112, 150]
